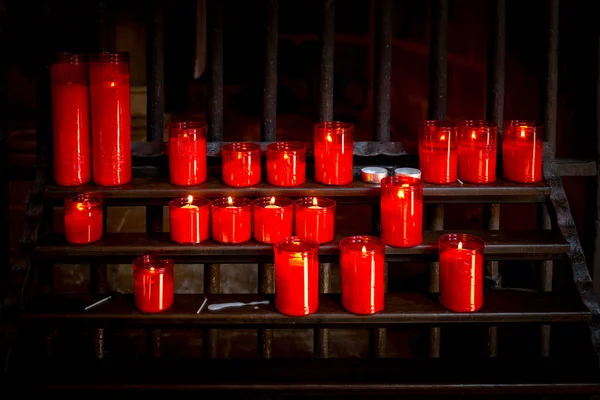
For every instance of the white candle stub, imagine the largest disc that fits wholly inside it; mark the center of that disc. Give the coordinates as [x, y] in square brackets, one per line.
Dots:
[412, 172]
[189, 206]
[373, 174]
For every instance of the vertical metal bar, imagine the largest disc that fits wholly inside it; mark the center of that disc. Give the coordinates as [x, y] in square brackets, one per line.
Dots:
[99, 343]
[438, 59]
[269, 114]
[596, 260]
[552, 78]
[383, 69]
[103, 33]
[327, 37]
[378, 336]
[545, 283]
[495, 96]
[436, 223]
[214, 46]
[212, 284]
[155, 72]
[321, 346]
[5, 271]
[265, 285]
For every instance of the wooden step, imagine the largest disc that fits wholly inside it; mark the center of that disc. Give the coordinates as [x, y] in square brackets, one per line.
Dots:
[123, 247]
[312, 377]
[141, 190]
[502, 306]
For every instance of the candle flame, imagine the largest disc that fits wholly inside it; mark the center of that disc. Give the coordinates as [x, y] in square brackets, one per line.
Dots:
[152, 269]
[364, 250]
[285, 156]
[523, 133]
[190, 199]
[272, 200]
[473, 135]
[315, 202]
[80, 206]
[405, 185]
[443, 137]
[329, 138]
[112, 84]
[401, 193]
[230, 201]
[460, 245]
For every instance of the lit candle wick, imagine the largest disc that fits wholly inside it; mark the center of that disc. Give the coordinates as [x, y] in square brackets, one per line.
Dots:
[315, 204]
[329, 138]
[230, 202]
[459, 245]
[401, 193]
[272, 203]
[364, 249]
[443, 137]
[80, 206]
[112, 84]
[473, 136]
[189, 204]
[523, 133]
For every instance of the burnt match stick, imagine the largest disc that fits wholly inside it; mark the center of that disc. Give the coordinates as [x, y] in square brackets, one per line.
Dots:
[98, 303]
[202, 306]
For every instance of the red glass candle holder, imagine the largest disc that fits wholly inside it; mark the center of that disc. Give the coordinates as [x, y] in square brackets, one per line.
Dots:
[315, 219]
[333, 150]
[296, 276]
[71, 120]
[241, 164]
[477, 151]
[286, 164]
[231, 220]
[83, 218]
[187, 153]
[111, 119]
[362, 260]
[461, 272]
[401, 211]
[153, 286]
[189, 219]
[522, 150]
[438, 151]
[273, 219]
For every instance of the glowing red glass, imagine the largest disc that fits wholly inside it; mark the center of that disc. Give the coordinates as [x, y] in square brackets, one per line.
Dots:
[333, 150]
[231, 220]
[241, 164]
[477, 151]
[83, 218]
[522, 151]
[315, 219]
[189, 219]
[401, 211]
[273, 219]
[153, 284]
[286, 164]
[187, 153]
[438, 151]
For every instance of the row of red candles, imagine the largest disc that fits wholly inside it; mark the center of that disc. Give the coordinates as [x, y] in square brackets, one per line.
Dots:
[362, 271]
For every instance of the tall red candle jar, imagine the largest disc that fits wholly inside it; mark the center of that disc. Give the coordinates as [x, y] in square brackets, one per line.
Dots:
[296, 276]
[241, 164]
[401, 211]
[286, 164]
[187, 153]
[231, 220]
[362, 260]
[477, 151]
[111, 119]
[333, 150]
[71, 120]
[153, 286]
[461, 272]
[83, 218]
[273, 219]
[522, 150]
[315, 219]
[438, 151]
[189, 219]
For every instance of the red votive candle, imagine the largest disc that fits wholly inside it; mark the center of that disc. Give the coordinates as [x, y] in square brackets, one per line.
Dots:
[83, 218]
[231, 219]
[362, 273]
[438, 151]
[286, 164]
[522, 150]
[241, 164]
[187, 153]
[333, 150]
[477, 151]
[401, 211]
[111, 119]
[189, 219]
[273, 219]
[71, 120]
[461, 272]
[315, 219]
[153, 283]
[296, 276]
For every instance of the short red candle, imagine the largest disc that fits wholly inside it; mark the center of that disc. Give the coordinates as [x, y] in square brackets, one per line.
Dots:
[522, 150]
[111, 119]
[286, 164]
[83, 218]
[241, 164]
[477, 151]
[71, 120]
[461, 272]
[315, 219]
[438, 151]
[187, 153]
[273, 219]
[362, 260]
[189, 219]
[296, 276]
[231, 219]
[333, 150]
[401, 211]
[153, 283]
